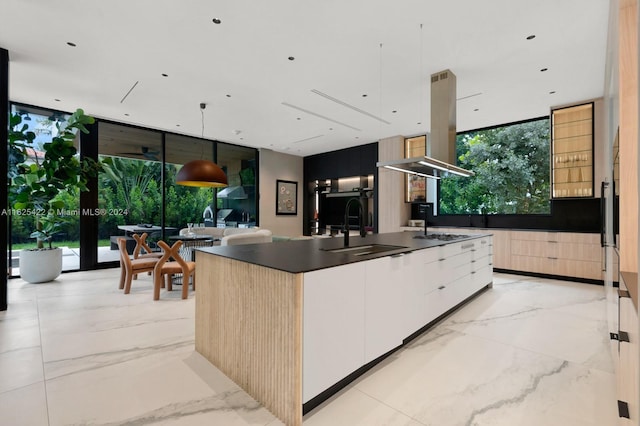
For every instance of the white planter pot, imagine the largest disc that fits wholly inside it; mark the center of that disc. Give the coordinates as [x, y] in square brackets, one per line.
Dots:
[40, 266]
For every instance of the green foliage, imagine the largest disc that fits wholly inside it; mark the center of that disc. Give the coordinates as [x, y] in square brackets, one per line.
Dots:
[135, 185]
[37, 182]
[511, 166]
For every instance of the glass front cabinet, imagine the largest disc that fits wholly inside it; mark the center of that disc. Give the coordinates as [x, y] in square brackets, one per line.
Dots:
[572, 151]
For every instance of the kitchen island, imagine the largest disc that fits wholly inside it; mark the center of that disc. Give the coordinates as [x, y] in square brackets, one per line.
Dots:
[291, 322]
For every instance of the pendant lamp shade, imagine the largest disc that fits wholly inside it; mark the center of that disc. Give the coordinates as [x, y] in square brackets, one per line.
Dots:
[201, 173]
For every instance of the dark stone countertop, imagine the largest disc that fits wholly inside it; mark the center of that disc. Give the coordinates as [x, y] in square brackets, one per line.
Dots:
[297, 256]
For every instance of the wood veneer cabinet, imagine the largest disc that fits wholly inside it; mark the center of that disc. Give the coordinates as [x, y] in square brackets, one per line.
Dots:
[628, 352]
[568, 254]
[572, 149]
[565, 254]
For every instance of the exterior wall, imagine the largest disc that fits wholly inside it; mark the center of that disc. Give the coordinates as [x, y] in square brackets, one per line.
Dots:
[278, 166]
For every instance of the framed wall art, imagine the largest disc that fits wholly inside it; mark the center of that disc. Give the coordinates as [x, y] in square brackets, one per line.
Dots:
[286, 197]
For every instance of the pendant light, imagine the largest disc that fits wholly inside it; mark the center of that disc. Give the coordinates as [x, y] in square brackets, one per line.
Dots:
[203, 173]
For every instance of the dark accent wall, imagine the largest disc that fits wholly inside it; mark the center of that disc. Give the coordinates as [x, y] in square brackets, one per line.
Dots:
[4, 135]
[355, 161]
[575, 215]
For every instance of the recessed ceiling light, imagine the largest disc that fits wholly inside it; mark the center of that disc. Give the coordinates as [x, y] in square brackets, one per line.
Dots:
[216, 21]
[544, 69]
[291, 58]
[165, 75]
[531, 37]
[72, 44]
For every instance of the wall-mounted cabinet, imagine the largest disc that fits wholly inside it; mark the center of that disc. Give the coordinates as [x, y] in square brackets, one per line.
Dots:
[416, 186]
[572, 151]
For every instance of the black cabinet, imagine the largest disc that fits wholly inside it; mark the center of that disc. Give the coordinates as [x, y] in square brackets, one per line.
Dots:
[355, 161]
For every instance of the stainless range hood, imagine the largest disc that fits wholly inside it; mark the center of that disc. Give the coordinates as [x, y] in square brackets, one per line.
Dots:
[425, 166]
[233, 193]
[441, 148]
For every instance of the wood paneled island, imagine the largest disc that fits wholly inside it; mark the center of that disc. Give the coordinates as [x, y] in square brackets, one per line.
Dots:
[287, 321]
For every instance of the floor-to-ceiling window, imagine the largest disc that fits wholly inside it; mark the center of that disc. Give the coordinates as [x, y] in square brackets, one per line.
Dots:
[44, 123]
[137, 186]
[186, 205]
[129, 188]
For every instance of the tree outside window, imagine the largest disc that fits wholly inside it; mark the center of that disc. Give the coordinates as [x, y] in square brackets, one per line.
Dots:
[511, 165]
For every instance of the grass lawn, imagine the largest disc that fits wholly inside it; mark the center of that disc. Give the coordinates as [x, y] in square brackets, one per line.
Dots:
[70, 244]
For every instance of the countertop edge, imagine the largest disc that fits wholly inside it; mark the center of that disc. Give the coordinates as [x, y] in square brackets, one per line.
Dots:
[311, 255]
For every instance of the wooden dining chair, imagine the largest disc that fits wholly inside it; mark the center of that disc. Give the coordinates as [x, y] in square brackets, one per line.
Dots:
[142, 250]
[130, 268]
[165, 269]
[141, 244]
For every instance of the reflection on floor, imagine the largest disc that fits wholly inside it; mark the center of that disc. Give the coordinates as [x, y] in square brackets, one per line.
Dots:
[527, 352]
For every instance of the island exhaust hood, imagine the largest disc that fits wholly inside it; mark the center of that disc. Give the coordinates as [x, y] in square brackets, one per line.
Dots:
[442, 143]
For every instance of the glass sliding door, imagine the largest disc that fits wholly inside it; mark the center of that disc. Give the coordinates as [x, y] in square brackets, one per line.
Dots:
[130, 188]
[185, 204]
[44, 123]
[239, 200]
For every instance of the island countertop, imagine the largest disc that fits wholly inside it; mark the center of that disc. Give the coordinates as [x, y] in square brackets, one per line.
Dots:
[299, 256]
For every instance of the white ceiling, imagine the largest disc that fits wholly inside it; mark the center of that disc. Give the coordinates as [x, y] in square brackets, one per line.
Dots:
[336, 44]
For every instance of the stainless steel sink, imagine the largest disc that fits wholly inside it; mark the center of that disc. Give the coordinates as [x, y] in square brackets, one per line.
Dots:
[365, 249]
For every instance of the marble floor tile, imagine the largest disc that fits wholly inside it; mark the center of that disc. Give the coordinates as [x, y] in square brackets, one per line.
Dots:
[355, 408]
[78, 351]
[26, 406]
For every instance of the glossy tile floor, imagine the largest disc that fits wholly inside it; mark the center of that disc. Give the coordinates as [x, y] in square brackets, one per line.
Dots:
[526, 352]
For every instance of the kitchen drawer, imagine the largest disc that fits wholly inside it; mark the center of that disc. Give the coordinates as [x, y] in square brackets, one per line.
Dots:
[438, 302]
[481, 277]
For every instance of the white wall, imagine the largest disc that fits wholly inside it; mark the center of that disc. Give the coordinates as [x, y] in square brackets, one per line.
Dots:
[278, 166]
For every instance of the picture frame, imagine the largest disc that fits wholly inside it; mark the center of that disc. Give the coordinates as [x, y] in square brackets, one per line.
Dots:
[286, 197]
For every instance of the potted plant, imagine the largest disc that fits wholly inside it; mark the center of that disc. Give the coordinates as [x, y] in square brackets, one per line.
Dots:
[37, 179]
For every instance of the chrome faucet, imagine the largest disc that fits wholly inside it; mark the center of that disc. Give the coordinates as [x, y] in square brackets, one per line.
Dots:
[363, 232]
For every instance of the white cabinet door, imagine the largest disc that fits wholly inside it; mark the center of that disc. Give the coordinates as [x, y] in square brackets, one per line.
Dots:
[333, 326]
[415, 280]
[384, 312]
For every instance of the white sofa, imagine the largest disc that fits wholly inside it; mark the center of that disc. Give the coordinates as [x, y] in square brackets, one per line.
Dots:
[219, 232]
[234, 239]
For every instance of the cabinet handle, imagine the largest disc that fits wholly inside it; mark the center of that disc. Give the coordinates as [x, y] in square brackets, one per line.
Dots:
[397, 255]
[473, 272]
[549, 241]
[466, 246]
[552, 258]
[442, 259]
[441, 287]
[473, 261]
[483, 242]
